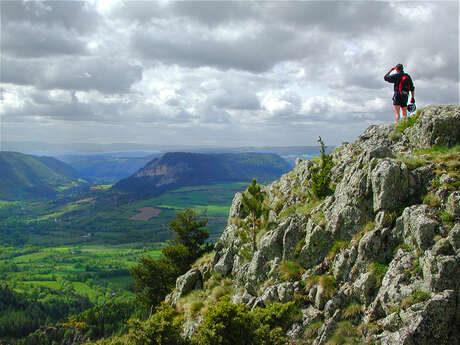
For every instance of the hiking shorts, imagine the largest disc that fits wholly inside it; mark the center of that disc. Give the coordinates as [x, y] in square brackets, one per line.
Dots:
[400, 99]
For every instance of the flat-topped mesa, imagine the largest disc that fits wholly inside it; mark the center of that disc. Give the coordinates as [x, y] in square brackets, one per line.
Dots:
[385, 240]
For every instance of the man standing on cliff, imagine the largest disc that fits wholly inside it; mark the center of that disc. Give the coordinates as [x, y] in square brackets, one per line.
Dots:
[402, 85]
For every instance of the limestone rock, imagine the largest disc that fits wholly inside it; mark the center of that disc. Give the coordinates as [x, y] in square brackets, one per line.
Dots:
[237, 209]
[327, 329]
[454, 236]
[453, 204]
[417, 227]
[436, 126]
[440, 272]
[365, 286]
[189, 281]
[431, 323]
[396, 284]
[390, 182]
[316, 246]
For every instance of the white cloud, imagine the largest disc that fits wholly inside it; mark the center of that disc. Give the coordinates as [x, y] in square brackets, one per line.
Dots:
[232, 73]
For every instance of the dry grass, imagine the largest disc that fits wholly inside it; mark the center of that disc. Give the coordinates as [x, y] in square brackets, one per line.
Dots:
[353, 311]
[369, 226]
[204, 260]
[290, 270]
[336, 247]
[311, 331]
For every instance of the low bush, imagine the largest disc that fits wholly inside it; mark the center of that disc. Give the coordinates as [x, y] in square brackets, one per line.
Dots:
[227, 323]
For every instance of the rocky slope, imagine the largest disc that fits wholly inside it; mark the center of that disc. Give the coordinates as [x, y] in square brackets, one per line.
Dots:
[377, 261]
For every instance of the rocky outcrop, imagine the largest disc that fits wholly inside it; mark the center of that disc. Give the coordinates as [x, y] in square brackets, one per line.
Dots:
[382, 250]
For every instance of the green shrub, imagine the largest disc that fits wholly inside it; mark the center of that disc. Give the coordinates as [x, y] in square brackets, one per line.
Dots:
[369, 226]
[164, 327]
[445, 216]
[220, 291]
[344, 333]
[396, 136]
[228, 323]
[327, 282]
[225, 323]
[290, 270]
[305, 209]
[277, 315]
[416, 297]
[403, 246]
[411, 162]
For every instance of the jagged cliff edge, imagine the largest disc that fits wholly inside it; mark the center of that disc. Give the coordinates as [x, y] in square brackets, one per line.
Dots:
[382, 251]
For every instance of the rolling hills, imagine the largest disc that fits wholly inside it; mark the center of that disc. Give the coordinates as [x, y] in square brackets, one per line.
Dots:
[25, 176]
[177, 169]
[107, 167]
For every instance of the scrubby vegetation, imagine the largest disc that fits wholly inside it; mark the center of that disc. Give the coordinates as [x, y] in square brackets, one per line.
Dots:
[154, 278]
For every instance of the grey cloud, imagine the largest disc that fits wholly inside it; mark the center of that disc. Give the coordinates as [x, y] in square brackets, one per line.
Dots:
[210, 13]
[215, 12]
[237, 100]
[73, 111]
[105, 75]
[210, 114]
[350, 18]
[23, 40]
[245, 53]
[72, 15]
[139, 11]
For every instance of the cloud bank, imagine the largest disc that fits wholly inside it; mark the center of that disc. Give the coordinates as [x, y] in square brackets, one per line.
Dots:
[220, 73]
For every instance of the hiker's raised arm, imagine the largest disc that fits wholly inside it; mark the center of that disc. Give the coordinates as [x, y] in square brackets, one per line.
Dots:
[388, 73]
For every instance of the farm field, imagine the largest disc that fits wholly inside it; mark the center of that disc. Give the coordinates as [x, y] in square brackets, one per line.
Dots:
[94, 218]
[86, 247]
[92, 271]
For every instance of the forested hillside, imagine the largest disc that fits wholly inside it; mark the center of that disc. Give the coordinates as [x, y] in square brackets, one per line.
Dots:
[25, 176]
[179, 169]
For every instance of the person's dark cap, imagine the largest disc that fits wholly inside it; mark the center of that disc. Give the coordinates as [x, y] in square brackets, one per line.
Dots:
[400, 67]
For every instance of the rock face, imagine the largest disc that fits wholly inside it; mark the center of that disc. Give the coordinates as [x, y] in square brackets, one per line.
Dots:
[382, 250]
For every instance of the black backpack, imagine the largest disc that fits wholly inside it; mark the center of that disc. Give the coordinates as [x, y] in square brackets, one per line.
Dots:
[404, 84]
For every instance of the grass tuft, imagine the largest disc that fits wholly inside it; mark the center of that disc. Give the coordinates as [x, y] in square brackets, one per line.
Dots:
[432, 200]
[312, 329]
[290, 270]
[369, 226]
[336, 247]
[327, 282]
[353, 311]
[379, 270]
[411, 162]
[403, 124]
[416, 297]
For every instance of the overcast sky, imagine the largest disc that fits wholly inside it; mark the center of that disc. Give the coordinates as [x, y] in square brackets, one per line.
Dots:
[221, 73]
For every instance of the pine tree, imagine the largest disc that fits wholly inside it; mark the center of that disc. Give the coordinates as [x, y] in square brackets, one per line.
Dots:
[321, 179]
[253, 203]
